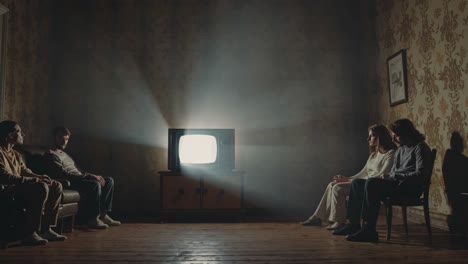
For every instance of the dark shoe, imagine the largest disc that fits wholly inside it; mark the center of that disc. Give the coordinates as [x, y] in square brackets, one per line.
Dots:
[312, 222]
[346, 230]
[364, 235]
[33, 240]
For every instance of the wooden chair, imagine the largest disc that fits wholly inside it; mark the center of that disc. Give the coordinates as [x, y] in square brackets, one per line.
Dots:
[405, 202]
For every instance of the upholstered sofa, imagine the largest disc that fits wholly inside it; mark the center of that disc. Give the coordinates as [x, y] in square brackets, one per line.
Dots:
[12, 210]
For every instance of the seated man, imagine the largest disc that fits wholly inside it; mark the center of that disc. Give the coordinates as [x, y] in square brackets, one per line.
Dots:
[406, 178]
[96, 191]
[40, 194]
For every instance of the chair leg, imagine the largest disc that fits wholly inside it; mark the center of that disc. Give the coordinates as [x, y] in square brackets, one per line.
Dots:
[68, 224]
[405, 219]
[389, 214]
[72, 223]
[60, 225]
[428, 219]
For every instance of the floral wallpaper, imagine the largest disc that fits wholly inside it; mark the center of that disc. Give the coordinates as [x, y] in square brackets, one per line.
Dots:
[434, 34]
[26, 90]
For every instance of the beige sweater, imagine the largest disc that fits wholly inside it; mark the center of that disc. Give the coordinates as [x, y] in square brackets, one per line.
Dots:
[12, 168]
[375, 166]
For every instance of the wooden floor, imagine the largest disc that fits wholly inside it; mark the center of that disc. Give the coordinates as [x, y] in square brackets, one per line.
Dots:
[269, 242]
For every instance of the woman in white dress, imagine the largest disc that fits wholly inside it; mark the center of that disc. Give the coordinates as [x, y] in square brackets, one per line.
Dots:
[332, 207]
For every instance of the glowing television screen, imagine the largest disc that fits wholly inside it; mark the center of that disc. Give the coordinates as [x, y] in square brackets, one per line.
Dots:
[198, 149]
[201, 148]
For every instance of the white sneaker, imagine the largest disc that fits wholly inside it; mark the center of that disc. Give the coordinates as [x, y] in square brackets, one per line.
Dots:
[96, 223]
[33, 240]
[312, 221]
[334, 226]
[51, 235]
[109, 221]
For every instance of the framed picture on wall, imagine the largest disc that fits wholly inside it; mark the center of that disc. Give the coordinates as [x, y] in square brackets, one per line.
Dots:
[397, 78]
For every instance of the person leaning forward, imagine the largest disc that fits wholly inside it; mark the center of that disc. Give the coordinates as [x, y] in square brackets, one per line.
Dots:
[97, 191]
[40, 194]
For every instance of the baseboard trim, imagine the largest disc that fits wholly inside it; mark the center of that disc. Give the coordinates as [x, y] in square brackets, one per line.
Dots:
[416, 215]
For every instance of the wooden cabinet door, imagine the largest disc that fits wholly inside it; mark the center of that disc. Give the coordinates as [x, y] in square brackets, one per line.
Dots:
[180, 192]
[222, 192]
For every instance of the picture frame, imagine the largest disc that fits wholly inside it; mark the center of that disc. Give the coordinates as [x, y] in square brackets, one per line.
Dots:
[397, 78]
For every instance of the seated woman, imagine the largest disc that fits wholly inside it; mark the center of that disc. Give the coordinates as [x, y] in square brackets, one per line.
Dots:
[332, 205]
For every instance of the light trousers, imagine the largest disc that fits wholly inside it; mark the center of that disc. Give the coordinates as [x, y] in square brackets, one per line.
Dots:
[41, 201]
[332, 207]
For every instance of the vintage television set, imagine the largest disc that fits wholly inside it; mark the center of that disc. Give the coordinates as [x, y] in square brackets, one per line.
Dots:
[202, 182]
[206, 149]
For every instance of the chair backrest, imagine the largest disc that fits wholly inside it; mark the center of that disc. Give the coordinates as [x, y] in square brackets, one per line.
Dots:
[427, 184]
[33, 157]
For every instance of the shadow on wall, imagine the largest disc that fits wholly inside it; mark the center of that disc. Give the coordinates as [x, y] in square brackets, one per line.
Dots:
[455, 173]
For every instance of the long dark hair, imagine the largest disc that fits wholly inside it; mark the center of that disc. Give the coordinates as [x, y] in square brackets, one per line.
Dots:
[385, 140]
[404, 128]
[6, 127]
